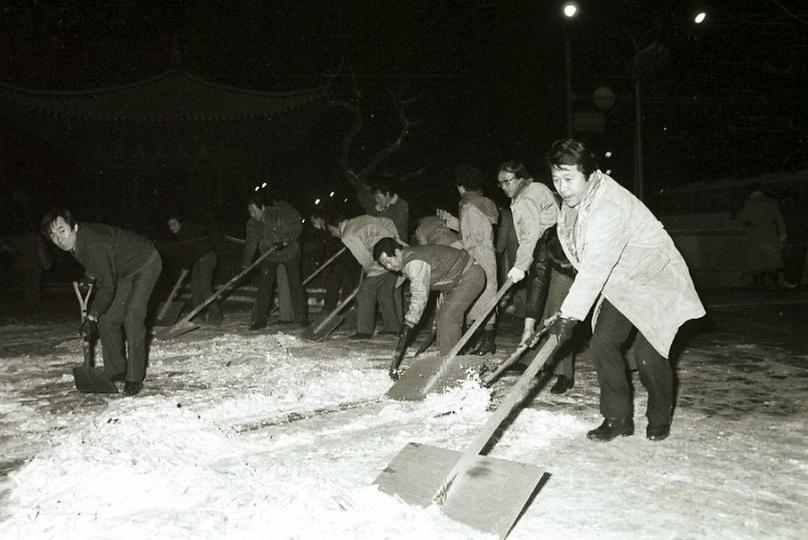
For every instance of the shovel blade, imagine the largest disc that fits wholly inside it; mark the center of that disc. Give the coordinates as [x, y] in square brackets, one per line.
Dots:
[169, 312]
[182, 327]
[490, 496]
[93, 380]
[412, 385]
[319, 331]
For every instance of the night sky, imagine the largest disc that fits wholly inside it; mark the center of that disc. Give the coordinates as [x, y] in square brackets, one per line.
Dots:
[720, 100]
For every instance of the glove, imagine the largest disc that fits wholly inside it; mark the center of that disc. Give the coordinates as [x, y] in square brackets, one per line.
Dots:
[279, 246]
[86, 283]
[401, 348]
[561, 327]
[516, 275]
[89, 328]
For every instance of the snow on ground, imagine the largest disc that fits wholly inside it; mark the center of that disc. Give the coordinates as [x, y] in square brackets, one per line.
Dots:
[208, 451]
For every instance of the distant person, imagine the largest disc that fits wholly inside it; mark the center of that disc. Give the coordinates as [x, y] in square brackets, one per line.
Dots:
[478, 215]
[193, 250]
[633, 275]
[389, 204]
[30, 258]
[124, 266]
[378, 287]
[274, 223]
[767, 237]
[432, 268]
[505, 244]
[340, 278]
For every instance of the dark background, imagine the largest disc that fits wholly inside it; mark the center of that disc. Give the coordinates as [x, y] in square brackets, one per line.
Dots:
[720, 100]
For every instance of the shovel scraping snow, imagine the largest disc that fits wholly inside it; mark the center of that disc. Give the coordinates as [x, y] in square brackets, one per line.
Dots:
[87, 377]
[486, 493]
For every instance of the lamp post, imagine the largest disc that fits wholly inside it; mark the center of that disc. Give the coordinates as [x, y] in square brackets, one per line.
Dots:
[570, 10]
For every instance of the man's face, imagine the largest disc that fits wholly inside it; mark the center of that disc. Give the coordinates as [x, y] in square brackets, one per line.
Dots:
[391, 262]
[63, 235]
[570, 183]
[255, 212]
[508, 182]
[174, 225]
[382, 199]
[317, 222]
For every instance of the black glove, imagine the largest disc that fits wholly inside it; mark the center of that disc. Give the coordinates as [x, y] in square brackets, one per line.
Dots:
[89, 329]
[562, 328]
[85, 283]
[401, 348]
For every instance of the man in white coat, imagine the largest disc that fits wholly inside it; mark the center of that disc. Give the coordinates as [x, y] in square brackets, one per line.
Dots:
[629, 266]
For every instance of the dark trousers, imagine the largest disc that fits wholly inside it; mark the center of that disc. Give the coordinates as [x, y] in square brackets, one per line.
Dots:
[263, 298]
[126, 317]
[612, 330]
[379, 289]
[202, 286]
[339, 281]
[456, 302]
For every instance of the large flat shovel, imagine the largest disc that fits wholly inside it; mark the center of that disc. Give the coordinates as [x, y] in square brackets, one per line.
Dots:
[425, 375]
[185, 325]
[88, 378]
[486, 493]
[168, 311]
[331, 321]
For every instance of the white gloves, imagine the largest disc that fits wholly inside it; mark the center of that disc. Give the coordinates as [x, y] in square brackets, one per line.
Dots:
[516, 275]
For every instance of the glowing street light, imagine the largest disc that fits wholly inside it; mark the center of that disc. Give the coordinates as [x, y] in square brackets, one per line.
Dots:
[570, 9]
[700, 17]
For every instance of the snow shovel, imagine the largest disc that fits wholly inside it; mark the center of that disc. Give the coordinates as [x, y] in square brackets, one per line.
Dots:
[316, 272]
[431, 373]
[88, 378]
[331, 321]
[170, 309]
[486, 493]
[185, 325]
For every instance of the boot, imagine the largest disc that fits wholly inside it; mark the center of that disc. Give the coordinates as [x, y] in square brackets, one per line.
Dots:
[612, 428]
[470, 345]
[486, 345]
[562, 384]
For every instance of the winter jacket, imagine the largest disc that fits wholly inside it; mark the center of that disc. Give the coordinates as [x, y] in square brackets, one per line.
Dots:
[534, 209]
[361, 233]
[622, 253]
[432, 230]
[281, 223]
[478, 215]
[109, 254]
[431, 268]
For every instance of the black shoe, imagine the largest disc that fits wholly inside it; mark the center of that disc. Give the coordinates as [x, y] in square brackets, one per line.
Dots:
[562, 384]
[612, 428]
[360, 335]
[657, 433]
[486, 345]
[258, 325]
[132, 388]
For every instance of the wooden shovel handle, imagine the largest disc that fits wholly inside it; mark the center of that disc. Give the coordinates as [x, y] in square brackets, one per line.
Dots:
[339, 307]
[324, 265]
[512, 399]
[173, 293]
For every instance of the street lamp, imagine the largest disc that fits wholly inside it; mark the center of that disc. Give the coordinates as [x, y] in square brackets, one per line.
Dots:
[570, 10]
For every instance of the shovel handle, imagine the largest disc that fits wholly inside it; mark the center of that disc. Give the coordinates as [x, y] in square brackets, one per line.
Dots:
[173, 293]
[324, 265]
[512, 399]
[441, 371]
[339, 307]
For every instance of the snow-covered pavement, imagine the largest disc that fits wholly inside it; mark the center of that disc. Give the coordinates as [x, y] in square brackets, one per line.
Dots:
[189, 456]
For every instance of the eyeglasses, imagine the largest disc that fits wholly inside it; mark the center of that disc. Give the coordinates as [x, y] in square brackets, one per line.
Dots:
[506, 181]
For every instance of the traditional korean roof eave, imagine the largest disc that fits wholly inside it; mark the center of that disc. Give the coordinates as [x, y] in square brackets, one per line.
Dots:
[172, 96]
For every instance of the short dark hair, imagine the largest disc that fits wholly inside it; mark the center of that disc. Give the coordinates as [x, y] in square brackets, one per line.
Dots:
[177, 214]
[571, 152]
[517, 168]
[387, 246]
[385, 189]
[52, 215]
[259, 199]
[468, 177]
